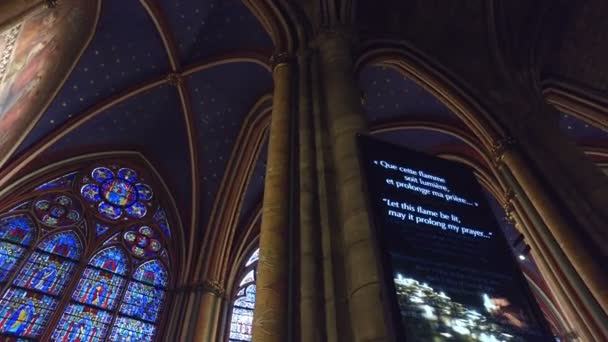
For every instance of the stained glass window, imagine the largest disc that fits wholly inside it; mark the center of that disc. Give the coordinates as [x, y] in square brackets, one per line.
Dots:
[28, 304]
[244, 301]
[41, 245]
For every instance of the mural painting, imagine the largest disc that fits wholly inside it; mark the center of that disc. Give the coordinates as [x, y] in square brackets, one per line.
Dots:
[35, 56]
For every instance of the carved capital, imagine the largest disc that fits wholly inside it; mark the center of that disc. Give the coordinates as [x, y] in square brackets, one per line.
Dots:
[174, 79]
[280, 58]
[500, 147]
[214, 287]
[508, 207]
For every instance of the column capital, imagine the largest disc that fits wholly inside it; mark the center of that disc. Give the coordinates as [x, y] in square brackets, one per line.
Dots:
[214, 287]
[280, 58]
[500, 147]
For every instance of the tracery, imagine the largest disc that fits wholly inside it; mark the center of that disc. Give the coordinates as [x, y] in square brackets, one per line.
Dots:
[84, 258]
[244, 301]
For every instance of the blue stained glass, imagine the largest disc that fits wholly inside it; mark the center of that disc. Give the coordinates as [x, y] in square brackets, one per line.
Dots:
[60, 182]
[44, 272]
[101, 174]
[152, 273]
[255, 256]
[137, 210]
[127, 174]
[142, 302]
[66, 244]
[82, 323]
[119, 192]
[101, 229]
[241, 325]
[126, 329]
[99, 288]
[161, 219]
[109, 211]
[24, 313]
[248, 278]
[248, 301]
[18, 229]
[144, 192]
[111, 259]
[9, 255]
[90, 192]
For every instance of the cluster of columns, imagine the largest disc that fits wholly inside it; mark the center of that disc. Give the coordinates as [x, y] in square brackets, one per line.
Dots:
[318, 278]
[324, 284]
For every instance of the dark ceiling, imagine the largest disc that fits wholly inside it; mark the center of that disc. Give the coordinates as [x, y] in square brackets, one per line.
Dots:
[128, 53]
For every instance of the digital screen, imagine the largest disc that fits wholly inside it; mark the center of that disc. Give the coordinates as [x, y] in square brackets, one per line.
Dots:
[447, 265]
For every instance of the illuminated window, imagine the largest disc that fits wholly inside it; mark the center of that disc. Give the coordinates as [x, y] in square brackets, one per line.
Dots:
[105, 218]
[244, 300]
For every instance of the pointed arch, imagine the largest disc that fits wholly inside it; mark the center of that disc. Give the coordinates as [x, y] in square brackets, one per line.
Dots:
[243, 300]
[49, 222]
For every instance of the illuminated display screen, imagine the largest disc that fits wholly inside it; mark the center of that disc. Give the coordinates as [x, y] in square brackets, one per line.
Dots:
[448, 267]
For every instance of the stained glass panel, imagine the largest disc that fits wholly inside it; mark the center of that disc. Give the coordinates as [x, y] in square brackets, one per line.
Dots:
[137, 210]
[127, 174]
[161, 218]
[17, 228]
[24, 313]
[60, 182]
[90, 192]
[152, 273]
[112, 259]
[142, 301]
[44, 272]
[66, 244]
[144, 192]
[109, 211]
[241, 324]
[99, 288]
[100, 229]
[9, 256]
[255, 256]
[248, 301]
[100, 174]
[126, 329]
[82, 323]
[248, 278]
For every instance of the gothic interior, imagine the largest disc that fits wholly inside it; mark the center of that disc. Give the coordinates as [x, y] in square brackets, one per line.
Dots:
[160, 159]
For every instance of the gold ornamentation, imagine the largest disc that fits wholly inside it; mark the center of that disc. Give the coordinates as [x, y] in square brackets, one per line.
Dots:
[508, 207]
[500, 147]
[214, 287]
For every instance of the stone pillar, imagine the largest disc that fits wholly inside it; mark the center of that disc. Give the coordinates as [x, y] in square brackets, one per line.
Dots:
[13, 11]
[345, 119]
[311, 325]
[209, 309]
[576, 277]
[570, 240]
[271, 316]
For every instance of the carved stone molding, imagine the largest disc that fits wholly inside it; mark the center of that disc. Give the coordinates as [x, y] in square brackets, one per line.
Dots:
[500, 147]
[509, 208]
[214, 287]
[280, 58]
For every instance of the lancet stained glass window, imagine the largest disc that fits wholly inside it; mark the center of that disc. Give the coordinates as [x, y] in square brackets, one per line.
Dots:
[244, 301]
[121, 292]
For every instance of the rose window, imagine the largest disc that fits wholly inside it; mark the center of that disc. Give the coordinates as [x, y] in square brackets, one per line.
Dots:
[117, 194]
[142, 242]
[57, 210]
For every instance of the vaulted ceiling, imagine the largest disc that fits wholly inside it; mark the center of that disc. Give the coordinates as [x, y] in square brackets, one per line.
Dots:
[183, 81]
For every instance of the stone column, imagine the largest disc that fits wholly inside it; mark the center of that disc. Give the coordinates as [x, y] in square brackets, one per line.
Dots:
[563, 249]
[271, 316]
[311, 326]
[345, 119]
[208, 313]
